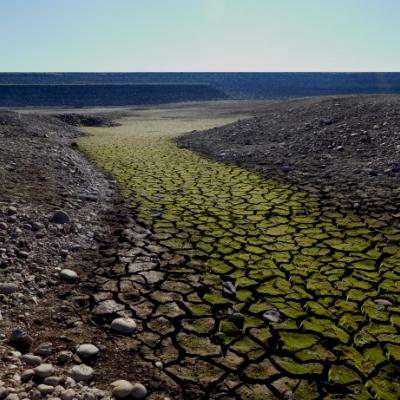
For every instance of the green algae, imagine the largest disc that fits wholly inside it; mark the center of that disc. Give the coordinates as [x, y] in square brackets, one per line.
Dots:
[320, 270]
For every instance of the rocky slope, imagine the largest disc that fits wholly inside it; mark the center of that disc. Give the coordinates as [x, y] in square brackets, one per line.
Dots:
[344, 149]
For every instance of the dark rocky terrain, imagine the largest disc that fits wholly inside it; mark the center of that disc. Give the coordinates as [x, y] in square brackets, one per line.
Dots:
[346, 150]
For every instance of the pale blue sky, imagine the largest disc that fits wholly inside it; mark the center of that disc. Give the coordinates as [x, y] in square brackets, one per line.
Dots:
[199, 35]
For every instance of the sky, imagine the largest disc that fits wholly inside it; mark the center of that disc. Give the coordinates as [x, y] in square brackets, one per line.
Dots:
[199, 35]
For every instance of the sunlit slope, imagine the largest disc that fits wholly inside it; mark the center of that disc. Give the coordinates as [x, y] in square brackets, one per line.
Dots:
[313, 304]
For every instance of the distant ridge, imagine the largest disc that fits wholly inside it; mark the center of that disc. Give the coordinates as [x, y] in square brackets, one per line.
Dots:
[235, 85]
[80, 95]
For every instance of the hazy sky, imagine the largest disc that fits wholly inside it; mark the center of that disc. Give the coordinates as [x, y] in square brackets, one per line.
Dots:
[199, 35]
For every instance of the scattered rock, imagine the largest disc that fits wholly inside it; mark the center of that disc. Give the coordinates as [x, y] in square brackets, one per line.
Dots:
[31, 359]
[82, 372]
[45, 389]
[44, 370]
[44, 349]
[125, 326]
[68, 275]
[139, 391]
[21, 341]
[87, 351]
[8, 288]
[60, 217]
[121, 388]
[273, 316]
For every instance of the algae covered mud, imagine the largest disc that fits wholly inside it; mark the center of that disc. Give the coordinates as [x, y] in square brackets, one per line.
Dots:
[255, 293]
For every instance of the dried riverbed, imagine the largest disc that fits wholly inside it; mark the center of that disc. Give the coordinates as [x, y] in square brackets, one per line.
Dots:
[244, 287]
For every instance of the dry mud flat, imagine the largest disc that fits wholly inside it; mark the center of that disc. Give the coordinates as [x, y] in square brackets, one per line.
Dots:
[240, 287]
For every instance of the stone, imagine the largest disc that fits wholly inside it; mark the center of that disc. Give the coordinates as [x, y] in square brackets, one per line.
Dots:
[31, 359]
[44, 349]
[125, 326]
[12, 396]
[45, 389]
[68, 394]
[68, 275]
[27, 375]
[86, 351]
[60, 217]
[121, 388]
[139, 391]
[64, 357]
[4, 392]
[272, 316]
[8, 288]
[82, 372]
[52, 380]
[21, 341]
[44, 370]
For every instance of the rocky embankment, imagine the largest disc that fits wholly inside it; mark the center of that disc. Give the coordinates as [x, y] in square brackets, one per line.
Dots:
[56, 211]
[344, 149]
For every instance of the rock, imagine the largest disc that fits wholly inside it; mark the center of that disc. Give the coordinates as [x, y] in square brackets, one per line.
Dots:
[82, 372]
[35, 394]
[44, 349]
[86, 351]
[3, 225]
[31, 359]
[229, 289]
[121, 388]
[60, 217]
[237, 318]
[44, 370]
[159, 365]
[11, 210]
[8, 288]
[273, 316]
[37, 226]
[12, 396]
[4, 392]
[139, 391]
[21, 341]
[125, 326]
[45, 389]
[68, 275]
[27, 375]
[64, 357]
[52, 380]
[68, 394]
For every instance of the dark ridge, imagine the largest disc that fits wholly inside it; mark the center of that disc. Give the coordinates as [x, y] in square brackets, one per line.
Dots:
[78, 95]
[235, 85]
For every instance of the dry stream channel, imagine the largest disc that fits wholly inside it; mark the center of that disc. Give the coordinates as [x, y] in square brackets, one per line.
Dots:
[250, 291]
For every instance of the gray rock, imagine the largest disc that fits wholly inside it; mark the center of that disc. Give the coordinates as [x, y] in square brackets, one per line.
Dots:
[4, 392]
[121, 388]
[139, 391]
[44, 349]
[52, 380]
[60, 217]
[125, 326]
[68, 394]
[31, 359]
[82, 372]
[86, 351]
[27, 375]
[12, 396]
[8, 288]
[44, 370]
[68, 275]
[273, 316]
[45, 389]
[64, 357]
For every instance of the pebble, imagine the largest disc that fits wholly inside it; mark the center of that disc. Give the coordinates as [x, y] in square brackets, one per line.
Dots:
[27, 375]
[121, 388]
[68, 394]
[21, 341]
[82, 372]
[273, 316]
[44, 370]
[87, 350]
[139, 391]
[8, 288]
[125, 326]
[44, 349]
[159, 365]
[12, 396]
[60, 217]
[31, 359]
[4, 392]
[64, 357]
[45, 389]
[68, 275]
[52, 380]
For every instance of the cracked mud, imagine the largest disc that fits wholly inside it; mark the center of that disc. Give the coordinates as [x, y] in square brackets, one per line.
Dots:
[241, 286]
